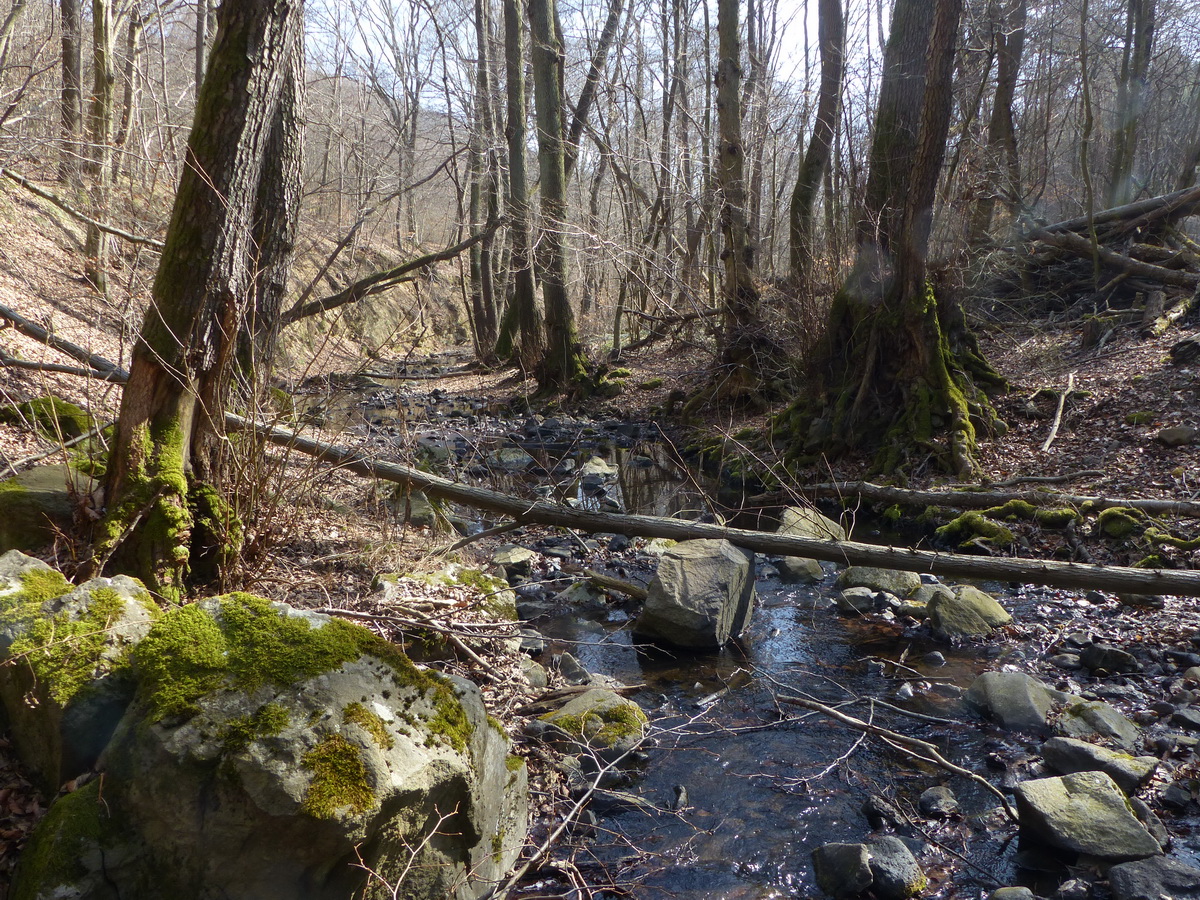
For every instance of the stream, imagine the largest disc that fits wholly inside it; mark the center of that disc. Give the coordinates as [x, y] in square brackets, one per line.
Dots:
[739, 786]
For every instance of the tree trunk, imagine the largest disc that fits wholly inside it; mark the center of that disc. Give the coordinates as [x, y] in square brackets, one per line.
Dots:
[1131, 90]
[832, 39]
[562, 367]
[483, 190]
[70, 99]
[100, 121]
[531, 341]
[1001, 163]
[900, 359]
[133, 60]
[171, 408]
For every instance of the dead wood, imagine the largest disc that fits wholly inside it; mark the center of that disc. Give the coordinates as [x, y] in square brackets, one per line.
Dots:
[1082, 247]
[1171, 206]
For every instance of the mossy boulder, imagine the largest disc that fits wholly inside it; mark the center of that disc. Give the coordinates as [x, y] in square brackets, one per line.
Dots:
[53, 418]
[804, 522]
[971, 528]
[602, 720]
[966, 612]
[1087, 720]
[893, 581]
[67, 678]
[702, 594]
[1012, 699]
[1069, 755]
[38, 505]
[1083, 813]
[273, 753]
[1119, 522]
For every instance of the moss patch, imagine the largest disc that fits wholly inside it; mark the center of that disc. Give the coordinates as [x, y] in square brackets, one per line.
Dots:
[52, 857]
[54, 418]
[1021, 510]
[357, 714]
[972, 525]
[267, 721]
[1119, 522]
[339, 779]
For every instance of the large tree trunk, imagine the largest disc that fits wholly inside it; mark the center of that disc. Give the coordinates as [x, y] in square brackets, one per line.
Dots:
[171, 407]
[1131, 91]
[100, 121]
[562, 366]
[1001, 163]
[70, 99]
[523, 305]
[832, 40]
[484, 190]
[900, 359]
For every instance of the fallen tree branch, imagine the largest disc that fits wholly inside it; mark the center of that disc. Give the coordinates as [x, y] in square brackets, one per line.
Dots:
[378, 281]
[1081, 246]
[1015, 569]
[11, 362]
[76, 214]
[1177, 205]
[107, 369]
[612, 583]
[1058, 413]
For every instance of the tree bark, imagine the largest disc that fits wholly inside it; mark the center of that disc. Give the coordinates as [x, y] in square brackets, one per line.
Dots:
[832, 40]
[901, 365]
[562, 367]
[100, 121]
[181, 361]
[1131, 90]
[70, 98]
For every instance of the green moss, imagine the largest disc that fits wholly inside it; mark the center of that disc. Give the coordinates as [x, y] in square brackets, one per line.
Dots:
[603, 726]
[620, 372]
[1143, 417]
[75, 823]
[339, 780]
[217, 534]
[268, 721]
[650, 384]
[1154, 561]
[497, 726]
[893, 513]
[514, 763]
[1119, 522]
[64, 653]
[56, 419]
[38, 586]
[1021, 510]
[357, 714]
[1160, 538]
[498, 846]
[189, 654]
[972, 525]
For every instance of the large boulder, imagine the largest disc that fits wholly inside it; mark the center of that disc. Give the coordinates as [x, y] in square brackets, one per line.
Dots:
[701, 595]
[68, 679]
[965, 612]
[602, 720]
[1068, 755]
[804, 522]
[842, 870]
[1096, 719]
[893, 581]
[1012, 699]
[1153, 879]
[1085, 813]
[273, 753]
[38, 505]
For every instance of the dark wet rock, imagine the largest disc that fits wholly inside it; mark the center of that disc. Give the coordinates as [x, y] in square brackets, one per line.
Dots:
[1153, 823]
[618, 543]
[532, 642]
[938, 802]
[1084, 813]
[934, 658]
[891, 580]
[1067, 661]
[842, 870]
[855, 601]
[968, 612]
[1142, 601]
[881, 813]
[1069, 755]
[571, 671]
[1013, 699]
[1108, 658]
[799, 570]
[895, 873]
[1155, 878]
[1188, 717]
[614, 803]
[701, 595]
[1178, 795]
[1097, 719]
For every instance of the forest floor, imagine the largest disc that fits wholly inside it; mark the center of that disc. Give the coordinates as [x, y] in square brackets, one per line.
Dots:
[1124, 393]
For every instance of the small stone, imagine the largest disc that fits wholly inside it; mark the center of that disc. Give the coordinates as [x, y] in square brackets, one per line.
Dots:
[856, 601]
[881, 813]
[1176, 796]
[896, 875]
[938, 802]
[1188, 717]
[571, 671]
[1177, 435]
[934, 658]
[1067, 661]
[1109, 658]
[1011, 893]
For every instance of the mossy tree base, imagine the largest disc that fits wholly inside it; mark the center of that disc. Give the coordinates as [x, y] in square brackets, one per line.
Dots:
[904, 377]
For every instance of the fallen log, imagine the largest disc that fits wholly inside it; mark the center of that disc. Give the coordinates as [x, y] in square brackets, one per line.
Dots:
[987, 499]
[1029, 571]
[1175, 205]
[1082, 247]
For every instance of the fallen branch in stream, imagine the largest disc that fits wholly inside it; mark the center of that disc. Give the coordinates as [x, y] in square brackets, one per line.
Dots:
[1010, 569]
[910, 746]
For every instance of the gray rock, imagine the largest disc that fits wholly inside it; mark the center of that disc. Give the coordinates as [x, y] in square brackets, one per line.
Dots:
[1153, 823]
[891, 580]
[571, 671]
[938, 802]
[967, 612]
[515, 560]
[1188, 717]
[855, 601]
[842, 870]
[512, 459]
[804, 522]
[415, 508]
[1085, 813]
[701, 595]
[1097, 719]
[36, 506]
[1109, 658]
[1068, 755]
[1013, 699]
[601, 719]
[65, 699]
[535, 673]
[1011, 893]
[1177, 435]
[597, 466]
[926, 592]
[896, 875]
[1155, 878]
[266, 747]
